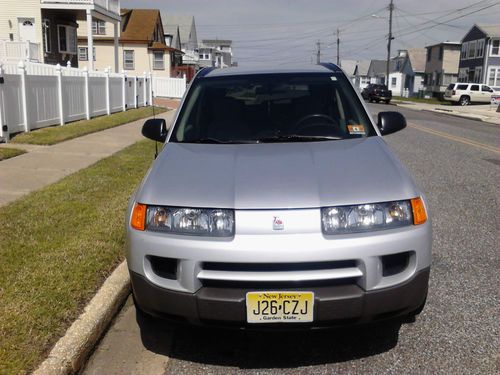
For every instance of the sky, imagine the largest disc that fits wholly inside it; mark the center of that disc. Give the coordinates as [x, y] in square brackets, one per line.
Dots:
[282, 32]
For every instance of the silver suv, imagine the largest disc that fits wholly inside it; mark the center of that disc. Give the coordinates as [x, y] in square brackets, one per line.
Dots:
[276, 202]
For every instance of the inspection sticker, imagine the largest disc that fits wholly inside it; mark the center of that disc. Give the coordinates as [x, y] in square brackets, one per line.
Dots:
[356, 129]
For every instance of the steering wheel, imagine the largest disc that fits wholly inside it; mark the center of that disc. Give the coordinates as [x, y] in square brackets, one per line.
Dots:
[301, 124]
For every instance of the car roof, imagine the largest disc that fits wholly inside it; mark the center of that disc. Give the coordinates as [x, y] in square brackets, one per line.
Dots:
[322, 68]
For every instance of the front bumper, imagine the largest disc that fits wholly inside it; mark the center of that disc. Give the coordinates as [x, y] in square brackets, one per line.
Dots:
[334, 305]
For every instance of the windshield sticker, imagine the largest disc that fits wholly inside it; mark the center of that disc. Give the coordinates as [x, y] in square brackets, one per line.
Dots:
[356, 129]
[333, 78]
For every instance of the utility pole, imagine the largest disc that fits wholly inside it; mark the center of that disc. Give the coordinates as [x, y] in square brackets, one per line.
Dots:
[389, 40]
[318, 54]
[338, 47]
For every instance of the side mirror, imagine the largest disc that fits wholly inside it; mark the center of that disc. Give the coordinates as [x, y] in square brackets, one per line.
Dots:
[391, 122]
[155, 129]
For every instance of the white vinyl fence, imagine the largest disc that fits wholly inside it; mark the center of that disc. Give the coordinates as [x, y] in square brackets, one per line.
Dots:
[169, 87]
[34, 95]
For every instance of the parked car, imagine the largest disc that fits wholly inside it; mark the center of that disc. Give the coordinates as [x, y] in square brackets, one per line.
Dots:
[377, 93]
[275, 200]
[467, 93]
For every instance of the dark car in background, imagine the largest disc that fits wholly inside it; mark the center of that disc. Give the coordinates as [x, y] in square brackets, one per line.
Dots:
[377, 93]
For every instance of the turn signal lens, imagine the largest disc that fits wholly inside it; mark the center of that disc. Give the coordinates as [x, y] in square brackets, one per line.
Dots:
[138, 216]
[418, 208]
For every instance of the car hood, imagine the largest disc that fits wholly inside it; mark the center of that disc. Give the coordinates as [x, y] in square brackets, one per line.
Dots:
[276, 175]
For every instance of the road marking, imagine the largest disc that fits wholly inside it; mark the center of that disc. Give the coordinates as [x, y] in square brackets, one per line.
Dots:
[455, 138]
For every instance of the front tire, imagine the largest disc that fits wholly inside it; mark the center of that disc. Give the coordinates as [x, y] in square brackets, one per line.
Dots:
[464, 100]
[387, 101]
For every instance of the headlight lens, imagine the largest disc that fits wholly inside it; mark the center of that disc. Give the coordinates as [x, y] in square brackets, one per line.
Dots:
[366, 217]
[191, 221]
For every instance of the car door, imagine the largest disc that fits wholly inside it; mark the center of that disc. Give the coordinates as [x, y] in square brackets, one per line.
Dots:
[475, 93]
[486, 93]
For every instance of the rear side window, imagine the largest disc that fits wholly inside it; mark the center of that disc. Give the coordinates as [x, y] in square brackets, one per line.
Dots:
[249, 108]
[462, 87]
[474, 88]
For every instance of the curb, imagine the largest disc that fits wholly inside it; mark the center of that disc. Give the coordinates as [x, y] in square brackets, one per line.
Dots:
[70, 352]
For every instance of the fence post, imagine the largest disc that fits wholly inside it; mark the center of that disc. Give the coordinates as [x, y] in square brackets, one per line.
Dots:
[145, 90]
[151, 89]
[108, 92]
[22, 71]
[60, 93]
[124, 91]
[4, 130]
[87, 92]
[136, 99]
[68, 64]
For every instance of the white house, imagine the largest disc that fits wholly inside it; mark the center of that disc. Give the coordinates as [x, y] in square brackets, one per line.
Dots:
[46, 30]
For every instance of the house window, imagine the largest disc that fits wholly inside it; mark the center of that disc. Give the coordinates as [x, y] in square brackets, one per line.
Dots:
[393, 81]
[494, 76]
[67, 39]
[495, 47]
[480, 48]
[429, 53]
[47, 44]
[478, 74]
[472, 50]
[83, 53]
[98, 27]
[441, 52]
[463, 53]
[200, 56]
[158, 61]
[128, 60]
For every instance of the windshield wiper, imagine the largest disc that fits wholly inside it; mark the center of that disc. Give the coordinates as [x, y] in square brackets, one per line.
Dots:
[297, 138]
[216, 141]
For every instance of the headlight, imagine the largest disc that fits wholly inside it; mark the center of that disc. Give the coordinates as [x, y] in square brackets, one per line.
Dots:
[366, 217]
[191, 221]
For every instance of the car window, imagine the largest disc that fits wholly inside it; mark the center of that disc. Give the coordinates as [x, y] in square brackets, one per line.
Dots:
[253, 108]
[451, 86]
[462, 87]
[486, 88]
[474, 88]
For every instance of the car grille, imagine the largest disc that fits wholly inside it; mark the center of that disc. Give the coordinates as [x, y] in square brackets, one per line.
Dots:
[279, 275]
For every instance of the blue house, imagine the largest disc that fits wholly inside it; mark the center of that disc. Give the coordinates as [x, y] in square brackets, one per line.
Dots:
[480, 55]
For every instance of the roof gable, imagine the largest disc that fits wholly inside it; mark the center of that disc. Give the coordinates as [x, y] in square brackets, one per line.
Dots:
[140, 24]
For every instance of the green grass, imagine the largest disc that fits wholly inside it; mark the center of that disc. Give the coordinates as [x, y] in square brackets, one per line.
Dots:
[421, 100]
[7, 153]
[57, 246]
[55, 134]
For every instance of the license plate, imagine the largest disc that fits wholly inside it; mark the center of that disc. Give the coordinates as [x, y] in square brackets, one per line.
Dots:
[280, 307]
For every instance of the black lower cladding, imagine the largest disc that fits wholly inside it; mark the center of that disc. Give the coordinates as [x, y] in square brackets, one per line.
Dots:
[334, 305]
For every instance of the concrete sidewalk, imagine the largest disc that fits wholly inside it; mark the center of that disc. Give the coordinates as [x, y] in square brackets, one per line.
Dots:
[44, 165]
[484, 112]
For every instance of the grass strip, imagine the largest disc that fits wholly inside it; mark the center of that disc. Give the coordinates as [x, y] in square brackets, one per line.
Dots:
[57, 247]
[55, 134]
[7, 153]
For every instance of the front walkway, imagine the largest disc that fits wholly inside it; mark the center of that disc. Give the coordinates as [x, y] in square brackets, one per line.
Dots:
[44, 165]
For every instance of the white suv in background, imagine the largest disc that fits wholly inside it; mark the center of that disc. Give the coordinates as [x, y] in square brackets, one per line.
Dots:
[466, 93]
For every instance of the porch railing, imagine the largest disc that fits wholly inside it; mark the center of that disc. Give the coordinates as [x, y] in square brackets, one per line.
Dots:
[112, 6]
[15, 51]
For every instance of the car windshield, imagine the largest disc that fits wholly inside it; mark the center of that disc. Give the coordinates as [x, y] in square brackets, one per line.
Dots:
[380, 87]
[451, 86]
[271, 108]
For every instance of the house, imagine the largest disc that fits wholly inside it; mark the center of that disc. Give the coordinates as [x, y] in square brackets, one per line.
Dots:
[141, 44]
[361, 75]
[441, 66]
[46, 30]
[187, 34]
[349, 68]
[220, 50]
[377, 71]
[406, 72]
[480, 55]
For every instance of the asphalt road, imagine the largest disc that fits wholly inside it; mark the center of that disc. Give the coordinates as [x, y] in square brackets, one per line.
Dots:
[457, 164]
